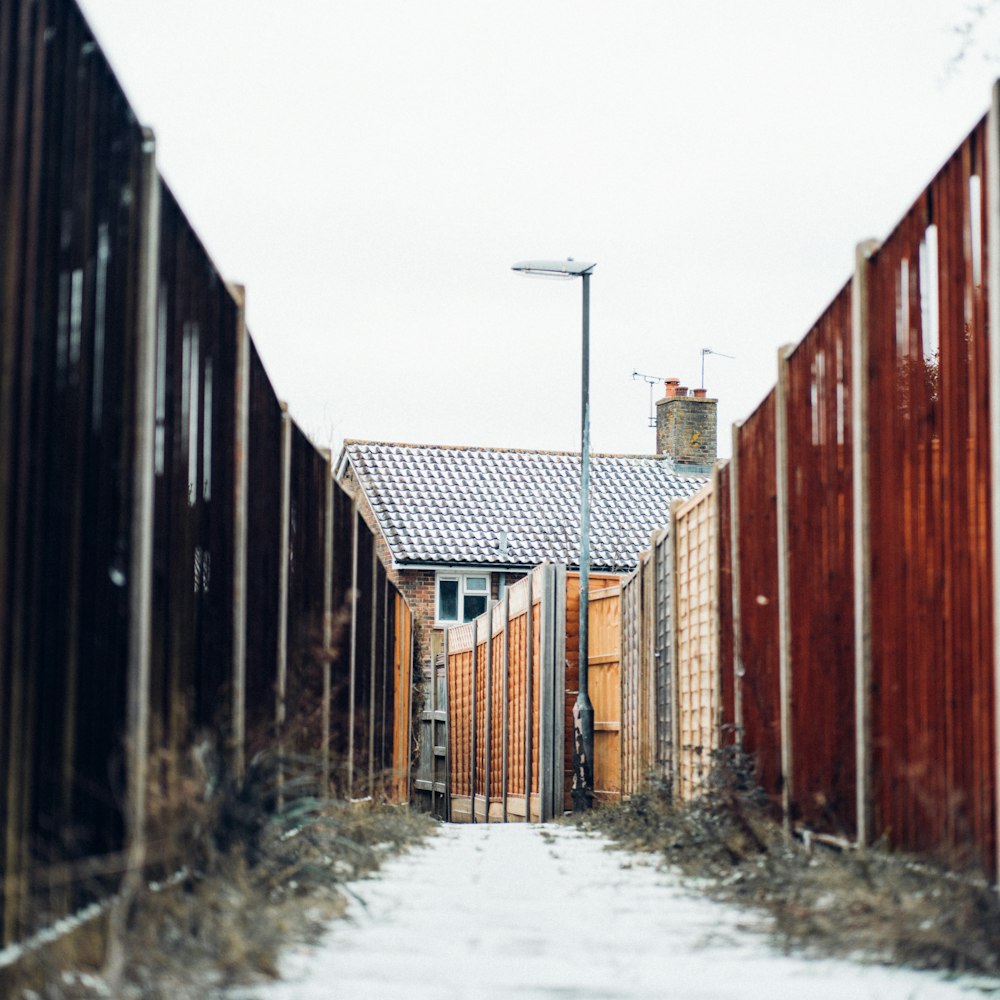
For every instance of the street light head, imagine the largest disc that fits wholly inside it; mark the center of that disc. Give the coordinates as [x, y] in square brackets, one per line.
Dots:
[568, 268]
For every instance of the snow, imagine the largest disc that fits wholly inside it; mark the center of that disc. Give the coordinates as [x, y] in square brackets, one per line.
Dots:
[537, 913]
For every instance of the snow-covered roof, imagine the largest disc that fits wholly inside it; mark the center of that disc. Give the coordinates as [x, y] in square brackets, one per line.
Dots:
[438, 504]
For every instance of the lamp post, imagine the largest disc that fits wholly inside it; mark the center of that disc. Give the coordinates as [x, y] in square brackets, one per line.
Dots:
[583, 710]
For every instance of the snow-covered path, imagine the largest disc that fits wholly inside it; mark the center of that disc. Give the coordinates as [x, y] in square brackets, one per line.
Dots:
[545, 912]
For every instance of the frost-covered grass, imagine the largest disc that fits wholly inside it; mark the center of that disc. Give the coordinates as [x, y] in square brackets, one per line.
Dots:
[882, 906]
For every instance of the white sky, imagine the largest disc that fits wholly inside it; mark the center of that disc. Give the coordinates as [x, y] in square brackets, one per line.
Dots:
[371, 170]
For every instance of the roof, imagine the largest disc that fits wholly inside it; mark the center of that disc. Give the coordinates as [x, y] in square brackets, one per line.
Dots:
[438, 504]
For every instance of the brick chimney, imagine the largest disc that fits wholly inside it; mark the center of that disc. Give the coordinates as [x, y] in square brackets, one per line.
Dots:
[686, 428]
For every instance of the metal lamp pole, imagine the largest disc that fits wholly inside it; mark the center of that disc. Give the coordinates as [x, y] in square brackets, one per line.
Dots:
[583, 709]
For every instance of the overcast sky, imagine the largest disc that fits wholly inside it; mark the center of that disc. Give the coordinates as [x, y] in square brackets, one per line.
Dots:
[370, 170]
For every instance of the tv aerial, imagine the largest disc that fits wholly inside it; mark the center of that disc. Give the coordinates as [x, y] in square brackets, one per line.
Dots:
[650, 380]
[708, 350]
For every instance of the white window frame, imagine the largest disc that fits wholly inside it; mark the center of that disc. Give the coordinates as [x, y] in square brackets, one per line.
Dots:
[460, 576]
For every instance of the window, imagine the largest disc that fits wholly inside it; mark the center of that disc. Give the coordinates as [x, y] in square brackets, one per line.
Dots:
[461, 596]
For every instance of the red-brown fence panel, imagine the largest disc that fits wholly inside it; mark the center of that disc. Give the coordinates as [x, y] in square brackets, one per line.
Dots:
[820, 566]
[932, 680]
[757, 688]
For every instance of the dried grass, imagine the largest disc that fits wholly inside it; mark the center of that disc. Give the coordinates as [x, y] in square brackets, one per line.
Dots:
[875, 904]
[256, 877]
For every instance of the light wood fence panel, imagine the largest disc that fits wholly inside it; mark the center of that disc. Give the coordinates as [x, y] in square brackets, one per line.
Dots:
[631, 631]
[663, 653]
[697, 667]
[604, 682]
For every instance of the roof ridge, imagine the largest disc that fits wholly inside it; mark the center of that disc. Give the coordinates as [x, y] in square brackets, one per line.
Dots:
[502, 449]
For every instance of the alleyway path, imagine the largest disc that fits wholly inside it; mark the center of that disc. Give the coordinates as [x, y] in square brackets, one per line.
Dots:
[537, 913]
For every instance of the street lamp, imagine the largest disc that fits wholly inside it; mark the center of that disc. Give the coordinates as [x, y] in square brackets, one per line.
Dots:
[583, 710]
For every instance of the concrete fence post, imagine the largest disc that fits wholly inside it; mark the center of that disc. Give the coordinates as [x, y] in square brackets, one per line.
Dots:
[505, 775]
[352, 683]
[675, 655]
[473, 715]
[735, 576]
[529, 697]
[328, 566]
[488, 728]
[862, 536]
[784, 594]
[284, 562]
[241, 455]
[545, 697]
[993, 284]
[141, 569]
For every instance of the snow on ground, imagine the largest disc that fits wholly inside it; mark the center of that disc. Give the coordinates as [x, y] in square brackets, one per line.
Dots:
[536, 913]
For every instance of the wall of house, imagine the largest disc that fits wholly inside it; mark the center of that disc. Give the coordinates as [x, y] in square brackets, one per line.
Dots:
[416, 585]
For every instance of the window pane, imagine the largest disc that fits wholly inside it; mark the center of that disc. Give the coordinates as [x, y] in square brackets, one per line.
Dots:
[476, 583]
[473, 606]
[447, 600]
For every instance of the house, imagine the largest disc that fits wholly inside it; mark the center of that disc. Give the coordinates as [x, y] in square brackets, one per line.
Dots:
[457, 525]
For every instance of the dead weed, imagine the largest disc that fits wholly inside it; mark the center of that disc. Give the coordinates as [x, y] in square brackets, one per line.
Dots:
[257, 876]
[875, 904]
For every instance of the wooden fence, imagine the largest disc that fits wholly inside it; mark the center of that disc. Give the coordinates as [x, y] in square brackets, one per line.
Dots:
[177, 566]
[830, 594]
[512, 678]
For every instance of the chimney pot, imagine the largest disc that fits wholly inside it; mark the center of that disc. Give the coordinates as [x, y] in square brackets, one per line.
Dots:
[700, 393]
[671, 387]
[682, 390]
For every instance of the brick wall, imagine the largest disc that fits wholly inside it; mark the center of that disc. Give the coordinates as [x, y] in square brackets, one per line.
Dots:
[686, 429]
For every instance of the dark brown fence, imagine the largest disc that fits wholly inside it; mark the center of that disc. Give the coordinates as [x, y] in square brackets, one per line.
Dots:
[177, 567]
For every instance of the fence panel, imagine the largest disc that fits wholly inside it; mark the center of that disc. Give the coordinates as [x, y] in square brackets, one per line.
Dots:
[71, 173]
[402, 651]
[604, 682]
[120, 349]
[498, 701]
[758, 691]
[631, 637]
[307, 543]
[663, 654]
[460, 719]
[698, 695]
[263, 557]
[724, 604]
[517, 695]
[820, 534]
[933, 725]
[483, 686]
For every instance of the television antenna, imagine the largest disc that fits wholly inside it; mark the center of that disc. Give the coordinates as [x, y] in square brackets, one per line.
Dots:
[718, 354]
[651, 380]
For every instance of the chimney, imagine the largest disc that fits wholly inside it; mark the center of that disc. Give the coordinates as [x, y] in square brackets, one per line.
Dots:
[686, 429]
